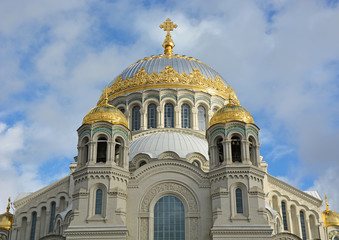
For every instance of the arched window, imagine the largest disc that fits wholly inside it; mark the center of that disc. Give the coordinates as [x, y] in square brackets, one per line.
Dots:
[238, 200]
[275, 203]
[118, 151]
[98, 202]
[58, 228]
[23, 228]
[122, 109]
[215, 109]
[252, 150]
[236, 149]
[196, 163]
[142, 163]
[202, 118]
[185, 116]
[220, 150]
[284, 215]
[277, 226]
[101, 150]
[51, 220]
[62, 204]
[314, 228]
[84, 154]
[42, 221]
[302, 222]
[136, 118]
[33, 226]
[152, 116]
[169, 115]
[169, 219]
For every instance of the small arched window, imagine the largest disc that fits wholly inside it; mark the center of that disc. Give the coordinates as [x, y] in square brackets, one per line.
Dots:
[122, 109]
[302, 222]
[62, 204]
[215, 109]
[196, 163]
[51, 220]
[201, 118]
[238, 200]
[136, 118]
[284, 215]
[118, 152]
[220, 150]
[98, 202]
[101, 150]
[152, 116]
[33, 226]
[252, 150]
[278, 226]
[236, 149]
[23, 228]
[142, 163]
[185, 116]
[169, 115]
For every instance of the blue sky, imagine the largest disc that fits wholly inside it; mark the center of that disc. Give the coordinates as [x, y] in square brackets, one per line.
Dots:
[281, 57]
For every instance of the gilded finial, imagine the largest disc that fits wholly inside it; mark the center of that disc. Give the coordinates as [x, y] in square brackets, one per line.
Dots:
[326, 203]
[230, 99]
[8, 206]
[168, 42]
[105, 91]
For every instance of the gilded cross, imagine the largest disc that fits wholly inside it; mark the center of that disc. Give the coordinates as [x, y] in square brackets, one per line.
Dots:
[105, 91]
[168, 25]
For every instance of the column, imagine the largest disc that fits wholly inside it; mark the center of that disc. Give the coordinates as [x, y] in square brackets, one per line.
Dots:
[110, 151]
[228, 152]
[195, 118]
[245, 152]
[92, 152]
[143, 120]
[177, 118]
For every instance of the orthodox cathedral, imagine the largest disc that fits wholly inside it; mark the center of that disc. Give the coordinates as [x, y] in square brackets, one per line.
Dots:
[168, 153]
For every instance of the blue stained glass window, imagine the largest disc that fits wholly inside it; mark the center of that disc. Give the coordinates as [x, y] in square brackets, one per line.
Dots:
[136, 118]
[302, 221]
[51, 221]
[169, 115]
[98, 202]
[152, 116]
[283, 208]
[185, 116]
[34, 216]
[169, 219]
[238, 196]
[201, 118]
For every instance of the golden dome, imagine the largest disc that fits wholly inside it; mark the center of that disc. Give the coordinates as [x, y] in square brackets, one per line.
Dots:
[105, 112]
[6, 219]
[231, 112]
[330, 218]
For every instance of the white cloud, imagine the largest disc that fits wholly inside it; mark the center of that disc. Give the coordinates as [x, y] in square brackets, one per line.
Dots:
[56, 58]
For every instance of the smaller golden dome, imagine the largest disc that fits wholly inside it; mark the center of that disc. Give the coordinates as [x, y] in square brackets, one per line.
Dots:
[105, 112]
[330, 218]
[231, 112]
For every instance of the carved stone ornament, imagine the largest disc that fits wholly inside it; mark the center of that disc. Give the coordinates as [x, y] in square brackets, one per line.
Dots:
[168, 78]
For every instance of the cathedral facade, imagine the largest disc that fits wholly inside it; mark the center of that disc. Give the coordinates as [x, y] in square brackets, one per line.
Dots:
[168, 153]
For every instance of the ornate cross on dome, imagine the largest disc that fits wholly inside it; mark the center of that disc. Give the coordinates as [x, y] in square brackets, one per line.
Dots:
[105, 91]
[168, 43]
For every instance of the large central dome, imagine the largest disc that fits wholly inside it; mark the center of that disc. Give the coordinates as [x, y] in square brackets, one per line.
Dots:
[169, 71]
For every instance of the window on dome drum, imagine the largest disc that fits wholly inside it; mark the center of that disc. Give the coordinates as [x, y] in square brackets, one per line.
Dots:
[142, 163]
[136, 118]
[202, 118]
[122, 109]
[169, 115]
[101, 150]
[215, 109]
[33, 226]
[51, 221]
[284, 215]
[238, 199]
[98, 202]
[152, 116]
[278, 227]
[236, 149]
[196, 163]
[185, 116]
[302, 222]
[169, 219]
[220, 150]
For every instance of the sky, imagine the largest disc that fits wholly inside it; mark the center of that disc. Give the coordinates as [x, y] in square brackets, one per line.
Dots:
[280, 56]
